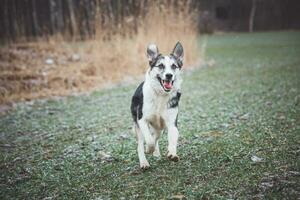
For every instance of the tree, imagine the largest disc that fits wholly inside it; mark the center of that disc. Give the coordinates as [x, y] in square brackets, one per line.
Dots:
[252, 15]
[74, 29]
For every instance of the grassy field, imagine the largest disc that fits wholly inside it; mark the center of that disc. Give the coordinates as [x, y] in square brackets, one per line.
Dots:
[239, 125]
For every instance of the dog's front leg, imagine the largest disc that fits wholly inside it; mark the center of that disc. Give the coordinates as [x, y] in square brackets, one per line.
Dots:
[171, 123]
[172, 139]
[150, 142]
[140, 140]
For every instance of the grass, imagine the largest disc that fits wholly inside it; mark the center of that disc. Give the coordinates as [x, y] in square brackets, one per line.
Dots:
[246, 105]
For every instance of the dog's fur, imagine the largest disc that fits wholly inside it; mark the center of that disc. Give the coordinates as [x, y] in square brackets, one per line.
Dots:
[154, 105]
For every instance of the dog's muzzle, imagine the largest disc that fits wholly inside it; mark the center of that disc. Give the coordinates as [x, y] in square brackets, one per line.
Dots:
[166, 84]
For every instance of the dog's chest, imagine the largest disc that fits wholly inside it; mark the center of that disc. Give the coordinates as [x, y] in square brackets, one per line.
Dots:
[155, 111]
[156, 105]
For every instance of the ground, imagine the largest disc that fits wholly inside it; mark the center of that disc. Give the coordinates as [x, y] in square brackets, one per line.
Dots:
[239, 126]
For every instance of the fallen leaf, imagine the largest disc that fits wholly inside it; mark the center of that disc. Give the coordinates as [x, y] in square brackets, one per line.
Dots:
[49, 61]
[124, 136]
[104, 156]
[178, 196]
[256, 159]
[75, 58]
[214, 134]
[245, 116]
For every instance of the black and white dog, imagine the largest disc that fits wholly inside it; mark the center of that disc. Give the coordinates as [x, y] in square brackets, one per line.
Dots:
[154, 105]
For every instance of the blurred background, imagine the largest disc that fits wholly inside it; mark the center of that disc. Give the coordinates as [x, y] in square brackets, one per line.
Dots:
[61, 47]
[25, 20]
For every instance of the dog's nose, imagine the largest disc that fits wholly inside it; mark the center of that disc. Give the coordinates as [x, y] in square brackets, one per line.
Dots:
[169, 76]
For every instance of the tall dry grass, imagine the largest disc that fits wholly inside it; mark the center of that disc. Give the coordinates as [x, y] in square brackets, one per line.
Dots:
[163, 25]
[102, 61]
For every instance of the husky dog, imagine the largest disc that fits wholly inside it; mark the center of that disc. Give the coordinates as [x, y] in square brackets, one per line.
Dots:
[154, 105]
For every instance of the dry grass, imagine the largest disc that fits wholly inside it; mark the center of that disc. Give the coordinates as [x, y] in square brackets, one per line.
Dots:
[25, 75]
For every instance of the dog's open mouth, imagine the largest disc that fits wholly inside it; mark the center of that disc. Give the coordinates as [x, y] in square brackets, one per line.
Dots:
[166, 84]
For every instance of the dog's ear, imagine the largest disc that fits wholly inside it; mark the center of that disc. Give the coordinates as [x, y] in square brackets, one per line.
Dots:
[152, 53]
[178, 52]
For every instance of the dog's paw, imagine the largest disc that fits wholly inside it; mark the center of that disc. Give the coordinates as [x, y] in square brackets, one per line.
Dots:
[156, 154]
[173, 157]
[150, 149]
[144, 165]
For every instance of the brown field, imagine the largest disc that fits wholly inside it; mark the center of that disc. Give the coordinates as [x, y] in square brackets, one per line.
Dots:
[58, 67]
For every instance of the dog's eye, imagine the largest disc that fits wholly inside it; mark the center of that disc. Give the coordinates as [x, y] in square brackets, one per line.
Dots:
[173, 66]
[161, 66]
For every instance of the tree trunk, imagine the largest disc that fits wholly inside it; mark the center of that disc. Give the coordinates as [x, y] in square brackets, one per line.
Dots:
[74, 29]
[6, 20]
[60, 16]
[36, 29]
[15, 19]
[53, 16]
[88, 17]
[252, 16]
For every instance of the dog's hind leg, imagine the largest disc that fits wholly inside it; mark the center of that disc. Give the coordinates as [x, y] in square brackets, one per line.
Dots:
[144, 164]
[156, 152]
[156, 135]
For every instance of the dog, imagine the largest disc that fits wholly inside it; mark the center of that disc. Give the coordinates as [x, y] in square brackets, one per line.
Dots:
[154, 105]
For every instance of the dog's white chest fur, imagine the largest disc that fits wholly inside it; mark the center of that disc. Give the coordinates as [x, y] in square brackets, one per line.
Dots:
[155, 106]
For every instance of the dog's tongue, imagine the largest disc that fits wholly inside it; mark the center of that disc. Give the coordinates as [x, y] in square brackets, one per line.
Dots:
[167, 85]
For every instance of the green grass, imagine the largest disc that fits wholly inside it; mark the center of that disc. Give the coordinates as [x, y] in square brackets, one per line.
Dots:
[246, 105]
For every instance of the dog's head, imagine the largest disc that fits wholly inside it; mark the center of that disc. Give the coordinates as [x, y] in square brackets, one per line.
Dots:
[165, 70]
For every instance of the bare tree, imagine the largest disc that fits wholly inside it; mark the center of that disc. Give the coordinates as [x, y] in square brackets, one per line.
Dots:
[36, 29]
[60, 15]
[252, 15]
[72, 18]
[6, 19]
[14, 19]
